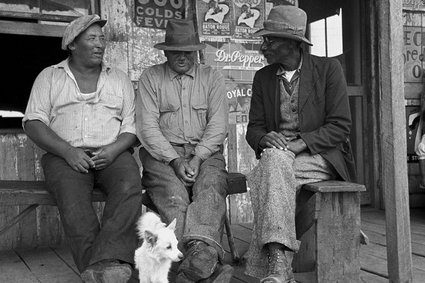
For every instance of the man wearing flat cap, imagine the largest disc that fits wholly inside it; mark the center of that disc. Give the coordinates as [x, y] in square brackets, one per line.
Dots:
[81, 112]
[182, 121]
[299, 127]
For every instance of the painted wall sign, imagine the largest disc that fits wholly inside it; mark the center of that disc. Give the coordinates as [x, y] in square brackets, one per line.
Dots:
[239, 97]
[414, 54]
[240, 60]
[414, 5]
[156, 13]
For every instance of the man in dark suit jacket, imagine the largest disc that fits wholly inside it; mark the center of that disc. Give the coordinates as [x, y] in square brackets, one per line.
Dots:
[299, 127]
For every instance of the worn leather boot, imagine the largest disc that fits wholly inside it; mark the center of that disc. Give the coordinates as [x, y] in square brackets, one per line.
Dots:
[200, 261]
[279, 269]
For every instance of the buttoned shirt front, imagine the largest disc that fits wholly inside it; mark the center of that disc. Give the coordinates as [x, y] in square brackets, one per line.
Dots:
[174, 109]
[83, 120]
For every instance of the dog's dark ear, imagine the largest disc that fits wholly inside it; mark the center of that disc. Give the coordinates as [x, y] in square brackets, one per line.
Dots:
[150, 237]
[172, 225]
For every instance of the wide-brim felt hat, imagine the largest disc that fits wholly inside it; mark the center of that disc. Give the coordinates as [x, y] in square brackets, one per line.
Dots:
[285, 21]
[79, 25]
[180, 35]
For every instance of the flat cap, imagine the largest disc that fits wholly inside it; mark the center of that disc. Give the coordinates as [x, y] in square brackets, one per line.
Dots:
[79, 25]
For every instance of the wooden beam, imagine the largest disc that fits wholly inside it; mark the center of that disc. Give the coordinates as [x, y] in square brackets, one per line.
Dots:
[393, 164]
[12, 27]
[37, 16]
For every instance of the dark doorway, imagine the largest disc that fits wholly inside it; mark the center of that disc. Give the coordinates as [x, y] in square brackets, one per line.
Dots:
[24, 57]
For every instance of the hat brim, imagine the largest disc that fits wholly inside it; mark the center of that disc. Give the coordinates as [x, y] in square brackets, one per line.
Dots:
[164, 46]
[263, 32]
[102, 23]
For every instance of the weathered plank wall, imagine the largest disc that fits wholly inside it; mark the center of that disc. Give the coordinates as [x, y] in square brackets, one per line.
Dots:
[21, 161]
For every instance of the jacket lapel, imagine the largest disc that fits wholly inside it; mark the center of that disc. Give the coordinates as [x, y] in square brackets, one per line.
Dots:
[307, 81]
[274, 95]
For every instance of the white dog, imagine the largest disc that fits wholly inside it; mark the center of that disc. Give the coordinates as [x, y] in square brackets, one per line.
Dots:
[159, 248]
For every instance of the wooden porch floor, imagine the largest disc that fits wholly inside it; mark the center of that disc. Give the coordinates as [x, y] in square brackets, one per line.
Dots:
[48, 265]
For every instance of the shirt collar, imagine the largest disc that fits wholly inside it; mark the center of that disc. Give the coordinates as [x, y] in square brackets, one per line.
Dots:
[173, 74]
[65, 65]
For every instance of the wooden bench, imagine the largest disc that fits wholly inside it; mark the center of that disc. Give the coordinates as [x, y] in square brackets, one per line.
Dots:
[328, 226]
[34, 194]
[327, 217]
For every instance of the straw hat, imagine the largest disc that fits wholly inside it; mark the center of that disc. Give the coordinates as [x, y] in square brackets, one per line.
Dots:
[285, 21]
[180, 35]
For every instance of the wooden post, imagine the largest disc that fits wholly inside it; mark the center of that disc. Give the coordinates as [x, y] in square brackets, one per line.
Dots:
[393, 144]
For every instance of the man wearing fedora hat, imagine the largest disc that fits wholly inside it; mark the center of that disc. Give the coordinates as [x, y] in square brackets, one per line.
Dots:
[299, 127]
[81, 112]
[182, 121]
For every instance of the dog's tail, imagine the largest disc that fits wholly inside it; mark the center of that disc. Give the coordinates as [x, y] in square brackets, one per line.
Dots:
[148, 221]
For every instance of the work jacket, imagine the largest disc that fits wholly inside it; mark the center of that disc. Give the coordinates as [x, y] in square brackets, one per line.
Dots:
[323, 109]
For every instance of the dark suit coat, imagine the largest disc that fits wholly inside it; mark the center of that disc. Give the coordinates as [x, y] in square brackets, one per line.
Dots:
[324, 112]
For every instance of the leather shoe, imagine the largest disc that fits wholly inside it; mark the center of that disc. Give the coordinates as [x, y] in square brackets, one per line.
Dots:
[200, 262]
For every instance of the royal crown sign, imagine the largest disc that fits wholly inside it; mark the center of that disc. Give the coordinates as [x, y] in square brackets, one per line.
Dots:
[156, 13]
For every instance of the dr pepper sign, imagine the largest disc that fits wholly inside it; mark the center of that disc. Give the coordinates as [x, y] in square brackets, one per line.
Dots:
[156, 13]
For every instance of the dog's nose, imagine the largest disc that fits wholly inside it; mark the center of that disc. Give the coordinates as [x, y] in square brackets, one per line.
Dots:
[180, 256]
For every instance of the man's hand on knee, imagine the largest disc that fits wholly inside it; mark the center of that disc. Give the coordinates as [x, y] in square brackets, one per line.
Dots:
[104, 156]
[77, 159]
[273, 140]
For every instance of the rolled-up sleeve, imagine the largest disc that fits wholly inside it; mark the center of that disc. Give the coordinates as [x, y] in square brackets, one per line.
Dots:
[128, 124]
[217, 120]
[147, 120]
[39, 104]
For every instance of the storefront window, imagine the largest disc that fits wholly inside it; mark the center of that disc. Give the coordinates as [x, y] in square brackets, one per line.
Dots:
[326, 36]
[335, 31]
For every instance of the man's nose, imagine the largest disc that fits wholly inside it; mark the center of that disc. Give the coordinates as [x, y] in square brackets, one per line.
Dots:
[263, 46]
[100, 43]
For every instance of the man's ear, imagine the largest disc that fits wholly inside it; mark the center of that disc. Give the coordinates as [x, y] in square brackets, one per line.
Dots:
[150, 237]
[172, 225]
[71, 46]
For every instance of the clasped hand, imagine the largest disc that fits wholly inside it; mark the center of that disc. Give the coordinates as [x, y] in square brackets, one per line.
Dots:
[185, 170]
[279, 141]
[78, 159]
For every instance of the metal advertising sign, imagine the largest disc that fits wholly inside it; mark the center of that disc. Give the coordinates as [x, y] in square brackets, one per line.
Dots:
[156, 13]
